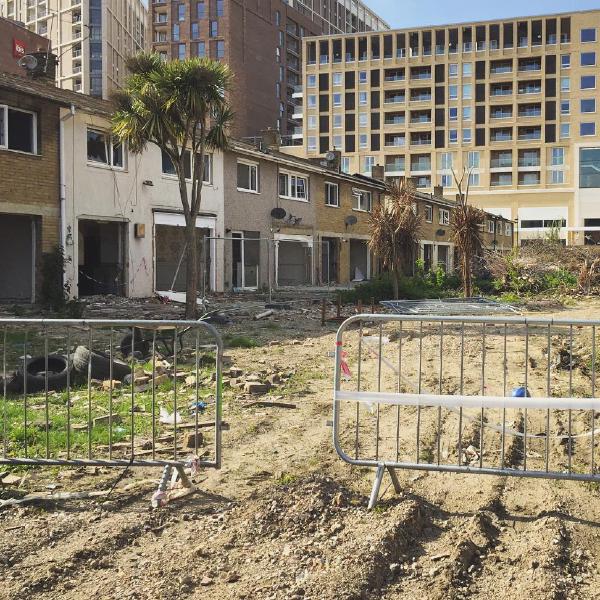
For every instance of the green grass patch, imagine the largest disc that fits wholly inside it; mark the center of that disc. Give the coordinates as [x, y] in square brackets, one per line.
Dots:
[240, 341]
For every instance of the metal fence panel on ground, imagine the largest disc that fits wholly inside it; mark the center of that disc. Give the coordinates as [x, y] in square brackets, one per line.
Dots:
[110, 393]
[496, 395]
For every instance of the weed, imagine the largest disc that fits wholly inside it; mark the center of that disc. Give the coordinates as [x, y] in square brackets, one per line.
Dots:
[286, 479]
[240, 341]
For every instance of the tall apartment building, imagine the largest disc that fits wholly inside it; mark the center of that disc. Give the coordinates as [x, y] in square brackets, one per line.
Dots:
[261, 41]
[91, 38]
[513, 101]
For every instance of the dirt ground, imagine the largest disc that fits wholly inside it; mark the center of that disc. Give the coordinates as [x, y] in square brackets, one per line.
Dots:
[285, 518]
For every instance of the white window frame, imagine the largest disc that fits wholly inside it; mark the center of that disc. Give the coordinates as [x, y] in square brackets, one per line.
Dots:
[428, 213]
[556, 175]
[311, 81]
[356, 202]
[336, 125]
[312, 122]
[470, 163]
[311, 143]
[444, 216]
[451, 133]
[568, 103]
[293, 177]
[581, 134]
[474, 179]
[507, 230]
[568, 128]
[361, 79]
[109, 146]
[251, 165]
[337, 79]
[444, 162]
[188, 179]
[4, 108]
[452, 96]
[328, 187]
[360, 141]
[587, 112]
[363, 120]
[467, 139]
[586, 77]
[445, 180]
[560, 151]
[336, 99]
[362, 95]
[490, 226]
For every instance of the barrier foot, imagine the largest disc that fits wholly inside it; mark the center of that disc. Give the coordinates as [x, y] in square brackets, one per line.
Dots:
[173, 484]
[395, 480]
[376, 486]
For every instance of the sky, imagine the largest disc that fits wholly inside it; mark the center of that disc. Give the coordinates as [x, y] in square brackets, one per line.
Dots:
[413, 13]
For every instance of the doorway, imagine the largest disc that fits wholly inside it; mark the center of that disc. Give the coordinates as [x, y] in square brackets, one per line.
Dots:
[245, 259]
[17, 258]
[330, 253]
[294, 262]
[359, 260]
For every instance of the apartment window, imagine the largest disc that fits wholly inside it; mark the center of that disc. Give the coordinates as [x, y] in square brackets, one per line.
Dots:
[363, 140]
[467, 69]
[363, 120]
[453, 70]
[332, 194]
[277, 18]
[588, 59]
[473, 160]
[195, 31]
[247, 176]
[312, 143]
[168, 168]
[337, 142]
[312, 121]
[214, 28]
[446, 160]
[278, 54]
[453, 92]
[200, 10]
[444, 216]
[311, 81]
[18, 130]
[466, 113]
[345, 166]
[453, 136]
[557, 176]
[312, 101]
[102, 149]
[338, 122]
[453, 113]
[181, 51]
[490, 226]
[467, 91]
[337, 99]
[507, 229]
[565, 130]
[362, 98]
[589, 166]
[565, 61]
[474, 179]
[294, 187]
[467, 136]
[201, 49]
[588, 35]
[337, 79]
[362, 200]
[588, 105]
[428, 213]
[362, 77]
[220, 8]
[181, 12]
[558, 157]
[175, 35]
[446, 180]
[588, 82]
[565, 107]
[586, 129]
[565, 84]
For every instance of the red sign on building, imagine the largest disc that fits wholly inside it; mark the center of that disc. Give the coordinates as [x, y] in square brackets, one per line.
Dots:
[18, 48]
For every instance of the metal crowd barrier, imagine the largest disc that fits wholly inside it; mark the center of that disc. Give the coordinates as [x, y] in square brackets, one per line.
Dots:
[112, 393]
[505, 396]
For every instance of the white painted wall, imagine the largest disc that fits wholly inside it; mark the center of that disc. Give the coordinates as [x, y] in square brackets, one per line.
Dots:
[97, 192]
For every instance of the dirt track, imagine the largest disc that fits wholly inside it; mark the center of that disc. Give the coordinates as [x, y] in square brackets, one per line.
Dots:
[286, 518]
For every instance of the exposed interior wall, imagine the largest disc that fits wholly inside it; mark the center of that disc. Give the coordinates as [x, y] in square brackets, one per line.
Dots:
[294, 263]
[359, 259]
[17, 257]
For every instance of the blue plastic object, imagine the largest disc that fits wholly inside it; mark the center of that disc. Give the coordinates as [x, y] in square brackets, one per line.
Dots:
[521, 392]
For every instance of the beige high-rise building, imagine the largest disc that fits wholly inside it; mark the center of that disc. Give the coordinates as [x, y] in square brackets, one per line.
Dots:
[514, 101]
[91, 38]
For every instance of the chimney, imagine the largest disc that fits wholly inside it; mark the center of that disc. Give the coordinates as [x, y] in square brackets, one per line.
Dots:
[378, 172]
[438, 191]
[271, 138]
[45, 69]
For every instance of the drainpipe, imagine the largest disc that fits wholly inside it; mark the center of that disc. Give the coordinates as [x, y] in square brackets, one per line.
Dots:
[63, 182]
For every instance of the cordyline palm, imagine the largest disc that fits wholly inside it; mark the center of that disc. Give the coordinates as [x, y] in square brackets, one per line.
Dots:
[466, 232]
[181, 107]
[395, 230]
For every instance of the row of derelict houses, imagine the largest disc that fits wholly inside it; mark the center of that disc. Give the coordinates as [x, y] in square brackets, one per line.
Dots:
[268, 219]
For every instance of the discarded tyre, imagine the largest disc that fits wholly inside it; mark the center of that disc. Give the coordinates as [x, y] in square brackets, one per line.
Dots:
[140, 344]
[100, 364]
[55, 368]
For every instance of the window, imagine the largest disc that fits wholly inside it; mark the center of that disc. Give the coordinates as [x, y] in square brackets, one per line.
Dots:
[446, 160]
[18, 130]
[337, 79]
[557, 176]
[445, 180]
[277, 18]
[586, 129]
[102, 149]
[294, 187]
[507, 229]
[588, 35]
[588, 59]
[175, 35]
[181, 51]
[181, 12]
[453, 136]
[467, 69]
[588, 82]
[337, 142]
[311, 81]
[195, 31]
[363, 120]
[345, 167]
[247, 176]
[428, 213]
[312, 143]
[565, 107]
[168, 168]
[363, 140]
[332, 194]
[337, 99]
[565, 84]
[588, 105]
[362, 98]
[312, 121]
[337, 121]
[453, 114]
[362, 77]
[589, 168]
[558, 156]
[220, 8]
[474, 179]
[200, 10]
[452, 70]
[214, 28]
[467, 91]
[466, 113]
[565, 61]
[490, 226]
[453, 92]
[444, 216]
[312, 101]
[362, 200]
[466, 136]
[201, 49]
[473, 160]
[565, 130]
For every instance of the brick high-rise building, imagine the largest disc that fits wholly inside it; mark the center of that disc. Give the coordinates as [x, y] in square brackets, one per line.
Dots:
[261, 41]
[515, 101]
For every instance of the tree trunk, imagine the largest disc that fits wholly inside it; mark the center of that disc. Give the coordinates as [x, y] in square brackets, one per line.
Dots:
[466, 269]
[191, 279]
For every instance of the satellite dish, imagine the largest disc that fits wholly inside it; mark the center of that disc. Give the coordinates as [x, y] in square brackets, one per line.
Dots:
[350, 220]
[278, 213]
[330, 156]
[28, 62]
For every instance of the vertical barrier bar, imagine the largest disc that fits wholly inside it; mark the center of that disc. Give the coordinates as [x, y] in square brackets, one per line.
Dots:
[175, 394]
[218, 402]
[68, 393]
[593, 457]
[5, 401]
[439, 410]
[548, 393]
[110, 392]
[131, 417]
[526, 389]
[197, 392]
[89, 394]
[25, 392]
[46, 398]
[570, 412]
[504, 390]
[482, 415]
[462, 389]
[154, 394]
[379, 390]
[419, 386]
[358, 380]
[399, 389]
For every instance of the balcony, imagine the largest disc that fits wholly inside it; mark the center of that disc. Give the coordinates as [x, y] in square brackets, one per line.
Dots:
[324, 59]
[161, 19]
[501, 163]
[297, 133]
[500, 136]
[529, 178]
[529, 112]
[468, 47]
[423, 182]
[394, 75]
[298, 91]
[481, 46]
[552, 39]
[76, 18]
[527, 162]
[76, 53]
[494, 44]
[420, 167]
[393, 119]
[497, 91]
[420, 97]
[530, 89]
[440, 49]
[420, 141]
[500, 179]
[504, 113]
[401, 53]
[530, 66]
[395, 142]
[420, 119]
[394, 168]
[76, 69]
[421, 75]
[501, 69]
[565, 38]
[523, 42]
[398, 99]
[527, 135]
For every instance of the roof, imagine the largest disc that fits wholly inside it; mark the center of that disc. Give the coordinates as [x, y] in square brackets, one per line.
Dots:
[47, 91]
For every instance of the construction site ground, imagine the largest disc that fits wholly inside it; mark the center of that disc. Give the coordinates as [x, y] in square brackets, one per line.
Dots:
[285, 518]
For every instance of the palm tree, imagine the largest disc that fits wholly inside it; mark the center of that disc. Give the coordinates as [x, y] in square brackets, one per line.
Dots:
[466, 232]
[395, 229]
[181, 107]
